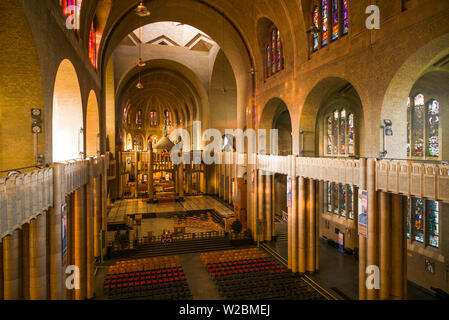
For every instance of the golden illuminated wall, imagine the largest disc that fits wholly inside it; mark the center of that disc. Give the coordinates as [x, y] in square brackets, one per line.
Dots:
[20, 89]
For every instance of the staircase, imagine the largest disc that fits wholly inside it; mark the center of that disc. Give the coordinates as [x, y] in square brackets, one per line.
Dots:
[175, 248]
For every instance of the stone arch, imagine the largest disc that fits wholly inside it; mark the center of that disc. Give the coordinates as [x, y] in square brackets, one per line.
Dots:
[328, 93]
[394, 106]
[67, 114]
[92, 126]
[276, 115]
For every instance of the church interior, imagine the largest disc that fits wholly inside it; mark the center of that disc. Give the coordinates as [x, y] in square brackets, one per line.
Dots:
[224, 150]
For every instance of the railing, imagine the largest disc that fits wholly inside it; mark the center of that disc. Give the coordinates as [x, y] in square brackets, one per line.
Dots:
[23, 197]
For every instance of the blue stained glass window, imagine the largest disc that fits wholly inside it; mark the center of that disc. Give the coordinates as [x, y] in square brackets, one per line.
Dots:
[329, 197]
[268, 62]
[325, 22]
[418, 219]
[409, 213]
[335, 198]
[343, 200]
[335, 24]
[351, 202]
[433, 128]
[345, 17]
[433, 223]
[316, 21]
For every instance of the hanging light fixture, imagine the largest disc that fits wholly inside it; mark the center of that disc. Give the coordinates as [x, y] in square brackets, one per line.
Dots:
[140, 62]
[142, 10]
[139, 84]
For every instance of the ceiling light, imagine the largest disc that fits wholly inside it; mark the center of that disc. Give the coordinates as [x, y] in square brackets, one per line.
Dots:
[140, 63]
[139, 85]
[142, 10]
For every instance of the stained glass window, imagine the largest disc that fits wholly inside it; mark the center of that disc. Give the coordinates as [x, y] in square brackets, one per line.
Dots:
[409, 213]
[72, 9]
[418, 126]
[316, 21]
[433, 122]
[418, 219]
[153, 118]
[325, 22]
[335, 131]
[351, 134]
[329, 197]
[351, 202]
[137, 143]
[274, 54]
[268, 62]
[343, 200]
[93, 46]
[139, 118]
[343, 132]
[335, 24]
[433, 223]
[329, 135]
[168, 119]
[409, 121]
[335, 197]
[345, 17]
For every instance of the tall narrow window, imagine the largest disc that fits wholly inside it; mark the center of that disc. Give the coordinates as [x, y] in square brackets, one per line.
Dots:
[409, 121]
[329, 135]
[343, 200]
[93, 46]
[418, 126]
[335, 131]
[351, 133]
[433, 223]
[351, 202]
[433, 123]
[168, 120]
[316, 23]
[71, 9]
[335, 19]
[329, 197]
[418, 231]
[325, 22]
[335, 197]
[273, 51]
[345, 17]
[153, 118]
[268, 62]
[279, 51]
[409, 213]
[139, 118]
[343, 132]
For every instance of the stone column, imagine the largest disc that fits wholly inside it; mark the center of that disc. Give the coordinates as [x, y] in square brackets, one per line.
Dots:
[385, 246]
[24, 262]
[317, 227]
[261, 206]
[11, 280]
[181, 179]
[38, 258]
[150, 175]
[397, 249]
[90, 217]
[136, 172]
[291, 212]
[56, 271]
[311, 227]
[302, 225]
[79, 240]
[268, 207]
[97, 216]
[373, 223]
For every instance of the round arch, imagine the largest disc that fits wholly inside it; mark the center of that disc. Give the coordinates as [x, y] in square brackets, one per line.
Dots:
[92, 126]
[67, 119]
[394, 106]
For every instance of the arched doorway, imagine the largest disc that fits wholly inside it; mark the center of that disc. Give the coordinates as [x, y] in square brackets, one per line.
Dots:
[67, 120]
[92, 126]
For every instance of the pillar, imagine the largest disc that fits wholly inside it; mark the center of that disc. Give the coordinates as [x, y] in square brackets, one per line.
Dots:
[373, 223]
[90, 217]
[385, 246]
[38, 258]
[398, 249]
[136, 172]
[97, 216]
[56, 271]
[181, 179]
[302, 225]
[268, 207]
[151, 172]
[1, 270]
[291, 212]
[24, 262]
[311, 228]
[11, 281]
[260, 206]
[79, 240]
